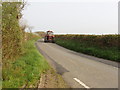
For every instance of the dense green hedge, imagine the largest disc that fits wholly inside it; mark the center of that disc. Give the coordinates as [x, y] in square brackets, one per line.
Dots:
[0, 32]
[97, 40]
[11, 31]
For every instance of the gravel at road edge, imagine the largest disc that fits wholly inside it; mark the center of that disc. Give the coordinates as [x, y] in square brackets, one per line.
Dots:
[51, 79]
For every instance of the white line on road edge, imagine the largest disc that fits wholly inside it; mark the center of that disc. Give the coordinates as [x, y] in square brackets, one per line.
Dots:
[81, 83]
[115, 67]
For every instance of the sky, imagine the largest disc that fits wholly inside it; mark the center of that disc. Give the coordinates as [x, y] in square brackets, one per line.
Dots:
[72, 16]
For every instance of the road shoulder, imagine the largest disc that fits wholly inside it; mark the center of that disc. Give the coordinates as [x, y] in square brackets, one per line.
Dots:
[51, 79]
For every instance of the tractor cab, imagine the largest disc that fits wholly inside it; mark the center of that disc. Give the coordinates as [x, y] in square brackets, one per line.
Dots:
[49, 33]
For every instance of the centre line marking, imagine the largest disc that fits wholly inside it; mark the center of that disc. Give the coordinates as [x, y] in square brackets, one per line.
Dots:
[81, 83]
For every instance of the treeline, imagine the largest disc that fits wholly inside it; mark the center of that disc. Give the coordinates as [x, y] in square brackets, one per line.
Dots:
[103, 46]
[12, 32]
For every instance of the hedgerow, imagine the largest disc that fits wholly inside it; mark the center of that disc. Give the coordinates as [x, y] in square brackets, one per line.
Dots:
[103, 46]
[12, 34]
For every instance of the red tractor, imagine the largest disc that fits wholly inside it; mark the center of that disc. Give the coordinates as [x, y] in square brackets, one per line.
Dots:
[49, 37]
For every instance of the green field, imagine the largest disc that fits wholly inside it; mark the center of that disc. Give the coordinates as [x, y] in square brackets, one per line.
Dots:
[26, 70]
[103, 46]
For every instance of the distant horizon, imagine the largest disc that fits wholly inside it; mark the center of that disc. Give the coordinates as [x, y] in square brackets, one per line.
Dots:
[80, 33]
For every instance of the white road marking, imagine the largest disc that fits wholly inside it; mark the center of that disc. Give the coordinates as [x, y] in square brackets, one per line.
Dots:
[81, 83]
[115, 67]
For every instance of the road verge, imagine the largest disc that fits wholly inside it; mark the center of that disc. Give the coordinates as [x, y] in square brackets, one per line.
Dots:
[25, 71]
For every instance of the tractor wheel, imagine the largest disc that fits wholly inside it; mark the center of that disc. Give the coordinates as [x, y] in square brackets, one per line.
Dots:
[53, 41]
[45, 40]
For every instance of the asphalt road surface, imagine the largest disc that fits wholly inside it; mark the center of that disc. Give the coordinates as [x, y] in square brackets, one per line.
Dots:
[79, 70]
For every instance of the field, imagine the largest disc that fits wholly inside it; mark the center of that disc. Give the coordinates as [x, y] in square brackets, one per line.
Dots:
[102, 46]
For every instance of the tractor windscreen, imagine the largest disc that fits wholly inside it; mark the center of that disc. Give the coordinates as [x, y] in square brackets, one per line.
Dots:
[50, 33]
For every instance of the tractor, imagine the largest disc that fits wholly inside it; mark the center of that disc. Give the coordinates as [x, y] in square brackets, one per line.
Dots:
[49, 37]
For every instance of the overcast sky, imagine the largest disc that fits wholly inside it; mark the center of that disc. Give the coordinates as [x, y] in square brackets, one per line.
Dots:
[73, 16]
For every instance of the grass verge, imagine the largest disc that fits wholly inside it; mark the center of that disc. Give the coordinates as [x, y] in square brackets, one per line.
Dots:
[26, 70]
[106, 53]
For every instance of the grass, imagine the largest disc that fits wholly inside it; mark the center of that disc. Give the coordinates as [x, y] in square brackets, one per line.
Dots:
[106, 53]
[26, 70]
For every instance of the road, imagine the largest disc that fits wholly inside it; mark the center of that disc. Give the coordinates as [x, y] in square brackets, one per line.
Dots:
[79, 70]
